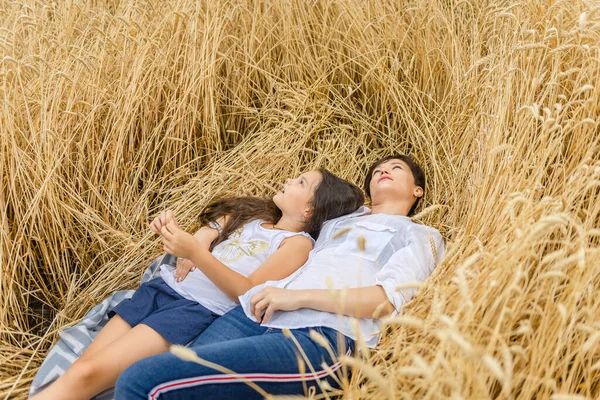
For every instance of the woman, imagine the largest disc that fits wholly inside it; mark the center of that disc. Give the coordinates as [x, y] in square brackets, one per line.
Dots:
[371, 252]
[257, 237]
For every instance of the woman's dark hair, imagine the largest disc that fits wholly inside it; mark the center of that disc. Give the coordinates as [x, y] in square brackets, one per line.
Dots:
[333, 198]
[415, 169]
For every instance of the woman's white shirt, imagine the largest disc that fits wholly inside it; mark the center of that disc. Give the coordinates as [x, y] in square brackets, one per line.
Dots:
[359, 250]
[244, 251]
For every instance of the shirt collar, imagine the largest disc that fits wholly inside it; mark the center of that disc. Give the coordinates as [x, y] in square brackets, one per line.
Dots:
[362, 210]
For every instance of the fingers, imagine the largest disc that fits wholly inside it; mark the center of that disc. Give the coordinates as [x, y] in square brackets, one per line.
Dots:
[163, 219]
[167, 232]
[258, 313]
[174, 238]
[265, 302]
[155, 225]
[167, 241]
[171, 228]
[260, 307]
[172, 224]
[185, 274]
[270, 310]
[181, 274]
[258, 302]
[178, 270]
[256, 297]
[184, 267]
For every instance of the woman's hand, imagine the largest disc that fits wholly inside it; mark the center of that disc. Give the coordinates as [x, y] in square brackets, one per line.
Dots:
[184, 267]
[162, 220]
[178, 242]
[271, 299]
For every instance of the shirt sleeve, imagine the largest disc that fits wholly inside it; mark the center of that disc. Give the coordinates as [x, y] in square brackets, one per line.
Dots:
[412, 263]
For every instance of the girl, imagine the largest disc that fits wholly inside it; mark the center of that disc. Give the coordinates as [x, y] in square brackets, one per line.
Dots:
[252, 240]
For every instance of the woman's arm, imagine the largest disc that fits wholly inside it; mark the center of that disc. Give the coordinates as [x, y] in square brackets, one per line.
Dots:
[364, 302]
[291, 255]
[410, 264]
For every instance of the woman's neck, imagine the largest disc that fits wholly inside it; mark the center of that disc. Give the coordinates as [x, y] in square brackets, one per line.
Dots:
[391, 208]
[289, 224]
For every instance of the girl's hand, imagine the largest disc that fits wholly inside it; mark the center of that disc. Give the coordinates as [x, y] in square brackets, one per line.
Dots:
[271, 299]
[184, 266]
[162, 220]
[178, 242]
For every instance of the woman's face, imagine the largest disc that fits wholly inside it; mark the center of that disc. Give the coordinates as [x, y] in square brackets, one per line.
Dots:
[295, 195]
[393, 179]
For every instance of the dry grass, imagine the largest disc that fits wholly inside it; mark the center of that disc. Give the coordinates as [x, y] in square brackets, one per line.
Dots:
[113, 110]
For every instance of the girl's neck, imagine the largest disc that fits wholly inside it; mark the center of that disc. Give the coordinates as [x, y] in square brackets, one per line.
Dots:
[289, 224]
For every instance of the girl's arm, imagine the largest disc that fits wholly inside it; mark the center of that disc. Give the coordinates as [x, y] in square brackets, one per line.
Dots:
[364, 302]
[291, 255]
[205, 236]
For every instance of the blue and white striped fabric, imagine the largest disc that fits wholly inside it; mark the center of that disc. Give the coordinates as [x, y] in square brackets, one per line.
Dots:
[74, 340]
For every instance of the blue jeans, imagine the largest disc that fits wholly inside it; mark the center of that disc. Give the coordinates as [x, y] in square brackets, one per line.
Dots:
[265, 356]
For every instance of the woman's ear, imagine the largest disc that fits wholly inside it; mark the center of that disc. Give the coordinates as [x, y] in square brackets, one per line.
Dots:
[418, 192]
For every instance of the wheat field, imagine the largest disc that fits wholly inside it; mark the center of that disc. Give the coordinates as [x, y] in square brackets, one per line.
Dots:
[114, 110]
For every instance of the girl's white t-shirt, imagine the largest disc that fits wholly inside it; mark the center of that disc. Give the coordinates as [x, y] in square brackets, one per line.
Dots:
[244, 251]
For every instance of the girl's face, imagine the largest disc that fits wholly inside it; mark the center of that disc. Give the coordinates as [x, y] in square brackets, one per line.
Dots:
[295, 195]
[393, 179]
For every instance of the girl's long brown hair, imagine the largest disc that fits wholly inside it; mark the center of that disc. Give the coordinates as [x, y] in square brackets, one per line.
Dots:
[333, 197]
[240, 210]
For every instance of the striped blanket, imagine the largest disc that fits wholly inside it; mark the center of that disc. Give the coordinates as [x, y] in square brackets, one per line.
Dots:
[74, 340]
